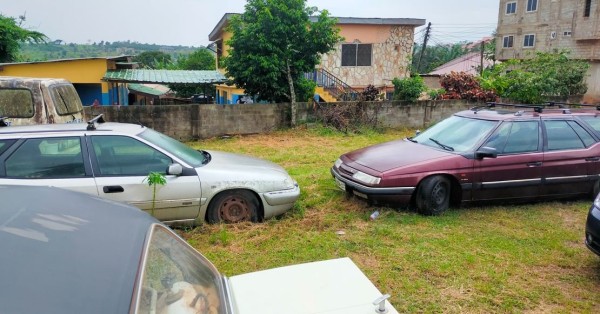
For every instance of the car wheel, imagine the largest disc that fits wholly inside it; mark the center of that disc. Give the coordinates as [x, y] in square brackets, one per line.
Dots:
[433, 195]
[232, 207]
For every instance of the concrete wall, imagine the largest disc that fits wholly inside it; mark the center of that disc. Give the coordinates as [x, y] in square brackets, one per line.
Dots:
[187, 122]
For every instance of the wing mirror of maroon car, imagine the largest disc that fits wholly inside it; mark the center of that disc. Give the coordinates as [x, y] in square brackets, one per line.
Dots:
[175, 169]
[486, 152]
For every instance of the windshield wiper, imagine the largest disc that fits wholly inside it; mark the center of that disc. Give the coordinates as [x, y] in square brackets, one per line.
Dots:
[411, 139]
[446, 147]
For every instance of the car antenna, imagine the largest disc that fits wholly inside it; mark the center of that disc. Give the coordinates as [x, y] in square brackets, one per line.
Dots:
[92, 123]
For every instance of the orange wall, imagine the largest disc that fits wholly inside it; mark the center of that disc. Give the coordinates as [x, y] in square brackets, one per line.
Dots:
[370, 34]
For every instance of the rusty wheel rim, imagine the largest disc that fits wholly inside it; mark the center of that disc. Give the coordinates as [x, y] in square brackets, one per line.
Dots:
[234, 209]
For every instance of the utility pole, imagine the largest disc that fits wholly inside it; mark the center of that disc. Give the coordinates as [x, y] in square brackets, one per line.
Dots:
[425, 39]
[482, 47]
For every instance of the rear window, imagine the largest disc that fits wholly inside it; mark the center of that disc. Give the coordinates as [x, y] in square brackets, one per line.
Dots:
[16, 103]
[65, 99]
[593, 121]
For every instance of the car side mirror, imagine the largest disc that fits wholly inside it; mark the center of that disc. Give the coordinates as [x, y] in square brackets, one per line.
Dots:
[175, 169]
[486, 152]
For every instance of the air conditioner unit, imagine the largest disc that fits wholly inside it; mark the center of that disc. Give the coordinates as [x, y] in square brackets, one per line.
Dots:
[552, 35]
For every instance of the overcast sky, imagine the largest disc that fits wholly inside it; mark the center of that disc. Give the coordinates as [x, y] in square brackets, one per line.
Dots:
[188, 22]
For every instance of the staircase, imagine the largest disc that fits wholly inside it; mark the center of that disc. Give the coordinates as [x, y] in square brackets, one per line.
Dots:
[330, 88]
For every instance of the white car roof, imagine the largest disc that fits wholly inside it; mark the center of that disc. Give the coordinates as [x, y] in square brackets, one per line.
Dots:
[70, 128]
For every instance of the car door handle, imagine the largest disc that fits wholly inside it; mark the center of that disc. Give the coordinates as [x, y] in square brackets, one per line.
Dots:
[534, 164]
[592, 159]
[113, 189]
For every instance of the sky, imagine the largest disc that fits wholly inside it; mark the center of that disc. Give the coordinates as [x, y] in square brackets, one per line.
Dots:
[189, 22]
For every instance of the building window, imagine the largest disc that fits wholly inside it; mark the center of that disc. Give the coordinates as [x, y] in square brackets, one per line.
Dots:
[529, 40]
[588, 8]
[507, 41]
[567, 34]
[531, 5]
[511, 8]
[356, 54]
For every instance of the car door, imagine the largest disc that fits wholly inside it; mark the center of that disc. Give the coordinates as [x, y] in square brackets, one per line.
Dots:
[568, 159]
[121, 165]
[516, 173]
[48, 161]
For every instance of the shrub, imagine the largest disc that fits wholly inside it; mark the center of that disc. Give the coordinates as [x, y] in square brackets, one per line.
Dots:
[370, 93]
[409, 88]
[462, 85]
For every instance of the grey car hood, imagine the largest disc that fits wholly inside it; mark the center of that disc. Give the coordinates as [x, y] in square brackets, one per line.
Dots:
[226, 160]
[335, 286]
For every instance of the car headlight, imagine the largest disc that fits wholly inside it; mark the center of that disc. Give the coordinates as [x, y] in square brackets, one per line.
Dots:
[597, 201]
[361, 176]
[338, 163]
[289, 183]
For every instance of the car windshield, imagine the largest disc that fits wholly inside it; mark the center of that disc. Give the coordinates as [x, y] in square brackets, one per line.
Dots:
[177, 279]
[193, 157]
[456, 134]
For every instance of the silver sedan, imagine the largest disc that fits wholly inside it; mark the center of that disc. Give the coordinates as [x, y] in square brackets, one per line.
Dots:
[114, 161]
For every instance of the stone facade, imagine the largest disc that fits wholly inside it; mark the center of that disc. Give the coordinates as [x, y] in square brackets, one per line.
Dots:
[390, 59]
[188, 122]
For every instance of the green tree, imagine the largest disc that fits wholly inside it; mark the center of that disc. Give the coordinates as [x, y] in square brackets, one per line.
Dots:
[534, 80]
[201, 59]
[152, 59]
[408, 89]
[434, 56]
[12, 35]
[274, 43]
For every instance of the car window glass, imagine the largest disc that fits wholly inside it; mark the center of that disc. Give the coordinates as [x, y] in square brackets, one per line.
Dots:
[123, 155]
[176, 279]
[456, 133]
[498, 139]
[175, 147]
[47, 158]
[593, 121]
[561, 136]
[582, 133]
[66, 99]
[5, 144]
[523, 137]
[16, 103]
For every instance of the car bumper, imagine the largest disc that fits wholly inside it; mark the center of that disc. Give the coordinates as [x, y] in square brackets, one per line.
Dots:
[592, 230]
[278, 202]
[392, 194]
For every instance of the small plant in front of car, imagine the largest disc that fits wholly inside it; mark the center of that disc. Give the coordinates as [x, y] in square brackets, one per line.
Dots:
[154, 179]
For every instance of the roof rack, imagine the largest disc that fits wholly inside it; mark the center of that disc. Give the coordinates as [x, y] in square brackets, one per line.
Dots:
[92, 123]
[3, 121]
[536, 108]
[551, 103]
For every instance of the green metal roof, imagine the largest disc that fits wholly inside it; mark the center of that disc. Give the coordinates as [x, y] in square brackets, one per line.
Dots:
[144, 89]
[165, 76]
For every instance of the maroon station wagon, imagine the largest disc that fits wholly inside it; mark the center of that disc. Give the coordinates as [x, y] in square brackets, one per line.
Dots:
[517, 153]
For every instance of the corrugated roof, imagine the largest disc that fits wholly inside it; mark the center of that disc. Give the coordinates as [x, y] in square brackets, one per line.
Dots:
[150, 89]
[466, 63]
[165, 76]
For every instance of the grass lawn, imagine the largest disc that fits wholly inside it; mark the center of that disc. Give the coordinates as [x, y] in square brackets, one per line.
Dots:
[522, 258]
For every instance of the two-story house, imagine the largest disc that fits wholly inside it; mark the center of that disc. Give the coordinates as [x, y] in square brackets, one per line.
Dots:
[374, 52]
[526, 26]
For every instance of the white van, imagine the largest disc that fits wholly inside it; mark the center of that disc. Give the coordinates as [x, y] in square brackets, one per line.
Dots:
[26, 100]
